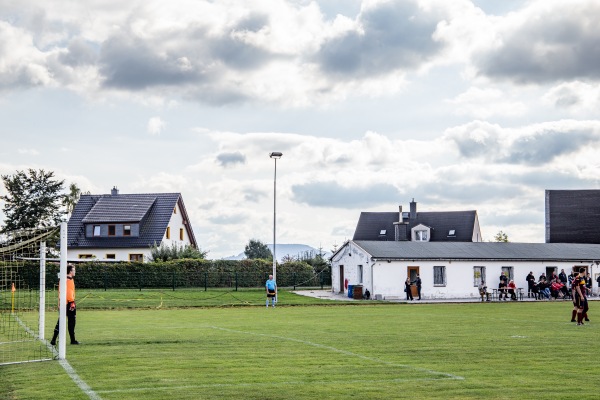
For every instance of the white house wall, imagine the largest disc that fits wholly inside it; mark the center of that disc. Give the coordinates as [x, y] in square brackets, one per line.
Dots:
[476, 230]
[387, 278]
[176, 224]
[351, 257]
[460, 283]
[100, 254]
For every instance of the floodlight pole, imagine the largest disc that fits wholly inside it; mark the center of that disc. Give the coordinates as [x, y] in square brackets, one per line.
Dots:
[275, 156]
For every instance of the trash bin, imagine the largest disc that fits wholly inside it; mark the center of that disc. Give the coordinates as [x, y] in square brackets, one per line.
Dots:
[350, 291]
[357, 292]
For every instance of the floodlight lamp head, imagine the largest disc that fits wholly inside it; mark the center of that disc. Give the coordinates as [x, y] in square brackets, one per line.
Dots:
[276, 154]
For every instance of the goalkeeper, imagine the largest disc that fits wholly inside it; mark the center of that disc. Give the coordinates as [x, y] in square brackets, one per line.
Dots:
[71, 309]
[271, 288]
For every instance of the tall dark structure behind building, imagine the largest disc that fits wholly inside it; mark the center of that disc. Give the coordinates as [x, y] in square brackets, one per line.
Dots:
[572, 216]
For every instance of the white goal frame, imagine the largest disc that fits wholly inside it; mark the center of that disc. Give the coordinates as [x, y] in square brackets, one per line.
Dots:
[40, 334]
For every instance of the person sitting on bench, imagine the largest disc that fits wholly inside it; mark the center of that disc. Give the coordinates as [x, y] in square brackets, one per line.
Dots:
[483, 291]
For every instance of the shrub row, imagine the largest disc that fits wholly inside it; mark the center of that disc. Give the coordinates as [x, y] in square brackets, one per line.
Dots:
[187, 273]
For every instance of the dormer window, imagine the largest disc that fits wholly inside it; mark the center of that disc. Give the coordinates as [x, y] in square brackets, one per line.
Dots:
[452, 232]
[421, 233]
[421, 236]
[382, 232]
[126, 230]
[112, 231]
[96, 230]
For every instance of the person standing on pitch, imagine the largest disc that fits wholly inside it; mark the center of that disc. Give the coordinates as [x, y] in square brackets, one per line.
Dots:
[579, 298]
[71, 309]
[271, 288]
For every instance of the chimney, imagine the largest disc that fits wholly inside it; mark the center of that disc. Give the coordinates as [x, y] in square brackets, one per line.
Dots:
[114, 191]
[400, 214]
[413, 210]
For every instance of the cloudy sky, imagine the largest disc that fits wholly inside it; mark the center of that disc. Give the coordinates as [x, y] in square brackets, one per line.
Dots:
[459, 104]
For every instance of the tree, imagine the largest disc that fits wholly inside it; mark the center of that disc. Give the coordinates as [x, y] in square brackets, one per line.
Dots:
[501, 237]
[257, 249]
[33, 200]
[72, 198]
[176, 252]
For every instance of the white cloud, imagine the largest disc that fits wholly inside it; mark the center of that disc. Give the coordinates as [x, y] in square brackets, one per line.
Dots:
[155, 126]
[29, 152]
[547, 41]
[576, 97]
[483, 103]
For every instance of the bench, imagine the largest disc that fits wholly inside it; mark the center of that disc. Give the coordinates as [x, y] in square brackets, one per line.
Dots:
[496, 294]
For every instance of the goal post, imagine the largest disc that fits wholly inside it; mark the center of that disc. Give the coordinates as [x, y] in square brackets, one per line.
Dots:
[23, 257]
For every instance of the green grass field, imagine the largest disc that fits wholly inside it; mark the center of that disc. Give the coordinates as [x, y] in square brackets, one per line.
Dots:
[316, 350]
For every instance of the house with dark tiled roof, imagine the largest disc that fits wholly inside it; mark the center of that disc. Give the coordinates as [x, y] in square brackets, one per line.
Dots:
[452, 269]
[440, 226]
[573, 216]
[123, 227]
[445, 251]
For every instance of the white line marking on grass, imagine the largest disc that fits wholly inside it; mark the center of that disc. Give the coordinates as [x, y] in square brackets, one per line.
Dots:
[85, 388]
[65, 364]
[78, 381]
[346, 352]
[257, 384]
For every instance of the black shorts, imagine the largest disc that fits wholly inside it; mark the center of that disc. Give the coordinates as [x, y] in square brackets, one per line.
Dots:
[578, 301]
[271, 293]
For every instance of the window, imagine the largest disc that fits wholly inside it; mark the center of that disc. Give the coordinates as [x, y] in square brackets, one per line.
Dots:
[452, 232]
[360, 274]
[478, 275]
[96, 230]
[112, 230]
[85, 256]
[168, 233]
[421, 236]
[126, 230]
[439, 275]
[111, 257]
[382, 232]
[508, 271]
[175, 210]
[136, 257]
[180, 233]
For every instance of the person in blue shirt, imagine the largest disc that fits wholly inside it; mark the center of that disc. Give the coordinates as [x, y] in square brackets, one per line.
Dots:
[271, 288]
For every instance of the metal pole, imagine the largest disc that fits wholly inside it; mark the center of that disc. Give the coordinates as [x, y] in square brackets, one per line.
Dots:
[275, 155]
[42, 314]
[274, 222]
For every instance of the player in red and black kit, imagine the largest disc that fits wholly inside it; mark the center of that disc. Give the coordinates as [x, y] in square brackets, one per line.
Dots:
[579, 298]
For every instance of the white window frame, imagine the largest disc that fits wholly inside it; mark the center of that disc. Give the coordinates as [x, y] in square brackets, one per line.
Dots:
[479, 275]
[421, 233]
[443, 275]
[509, 271]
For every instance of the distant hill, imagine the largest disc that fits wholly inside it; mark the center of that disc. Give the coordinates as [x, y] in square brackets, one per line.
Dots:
[294, 250]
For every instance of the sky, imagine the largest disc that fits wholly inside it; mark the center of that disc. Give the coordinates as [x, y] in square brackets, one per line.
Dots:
[460, 105]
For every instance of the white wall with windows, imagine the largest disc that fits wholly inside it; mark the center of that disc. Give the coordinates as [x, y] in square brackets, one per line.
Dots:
[440, 279]
[109, 254]
[176, 232]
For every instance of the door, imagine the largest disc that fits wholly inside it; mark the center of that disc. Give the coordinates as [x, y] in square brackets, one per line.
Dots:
[342, 288]
[412, 273]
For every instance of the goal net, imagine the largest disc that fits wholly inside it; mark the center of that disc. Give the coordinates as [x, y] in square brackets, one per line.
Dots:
[23, 256]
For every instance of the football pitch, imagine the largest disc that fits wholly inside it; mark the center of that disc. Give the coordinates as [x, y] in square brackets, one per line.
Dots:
[321, 351]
